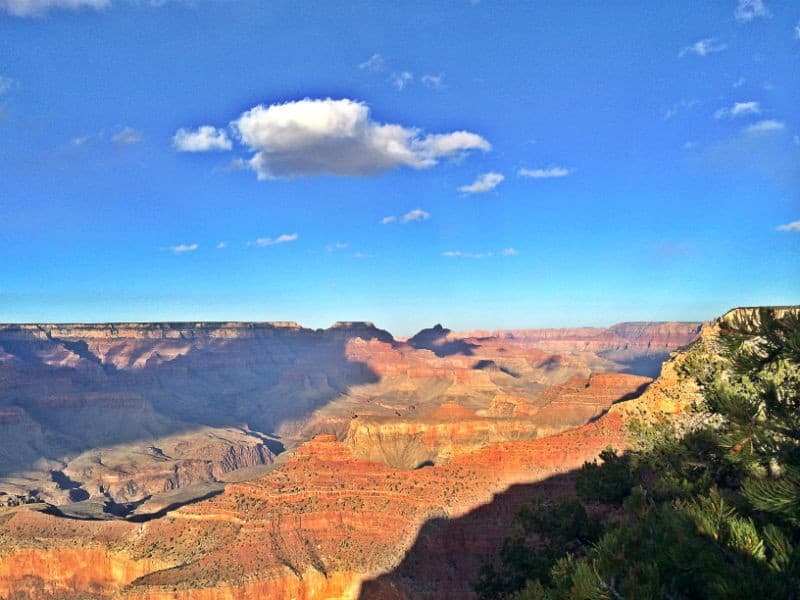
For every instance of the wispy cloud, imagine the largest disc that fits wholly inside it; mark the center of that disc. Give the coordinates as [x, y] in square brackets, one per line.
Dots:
[459, 254]
[126, 136]
[703, 47]
[433, 81]
[7, 83]
[548, 173]
[484, 183]
[415, 215]
[679, 107]
[181, 248]
[739, 82]
[281, 239]
[39, 8]
[203, 139]
[402, 79]
[82, 140]
[739, 109]
[797, 31]
[479, 255]
[221, 245]
[765, 126]
[373, 63]
[747, 10]
[337, 137]
[335, 247]
[794, 226]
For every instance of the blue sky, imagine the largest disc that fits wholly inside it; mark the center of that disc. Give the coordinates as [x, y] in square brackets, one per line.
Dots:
[480, 164]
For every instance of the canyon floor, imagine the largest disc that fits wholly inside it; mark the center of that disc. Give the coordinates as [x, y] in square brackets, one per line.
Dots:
[244, 460]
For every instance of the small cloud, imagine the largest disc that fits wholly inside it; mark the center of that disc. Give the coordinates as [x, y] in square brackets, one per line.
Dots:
[794, 227]
[766, 126]
[679, 107]
[459, 254]
[739, 82]
[703, 47]
[373, 63]
[484, 183]
[689, 145]
[81, 139]
[7, 83]
[510, 252]
[433, 81]
[402, 79]
[334, 247]
[39, 8]
[204, 139]
[547, 173]
[415, 215]
[797, 31]
[181, 248]
[387, 220]
[747, 10]
[361, 255]
[739, 109]
[281, 239]
[126, 136]
[221, 245]
[796, 140]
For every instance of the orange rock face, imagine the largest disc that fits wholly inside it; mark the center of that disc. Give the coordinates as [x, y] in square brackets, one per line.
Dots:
[417, 437]
[325, 519]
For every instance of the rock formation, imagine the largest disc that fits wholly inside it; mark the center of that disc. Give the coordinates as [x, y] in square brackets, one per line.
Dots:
[406, 436]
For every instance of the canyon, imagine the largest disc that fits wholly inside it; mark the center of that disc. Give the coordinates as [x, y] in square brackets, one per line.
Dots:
[241, 460]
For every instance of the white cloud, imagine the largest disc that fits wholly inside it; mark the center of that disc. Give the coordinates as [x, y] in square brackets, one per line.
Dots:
[459, 254]
[739, 109]
[204, 139]
[415, 215]
[337, 137]
[747, 10]
[81, 139]
[479, 255]
[794, 226]
[766, 126]
[281, 239]
[6, 83]
[484, 183]
[336, 246]
[38, 8]
[181, 248]
[221, 245]
[402, 79]
[797, 31]
[703, 47]
[739, 82]
[373, 63]
[128, 135]
[548, 173]
[433, 81]
[679, 107]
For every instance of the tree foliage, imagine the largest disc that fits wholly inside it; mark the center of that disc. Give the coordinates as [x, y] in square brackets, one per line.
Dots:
[709, 513]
